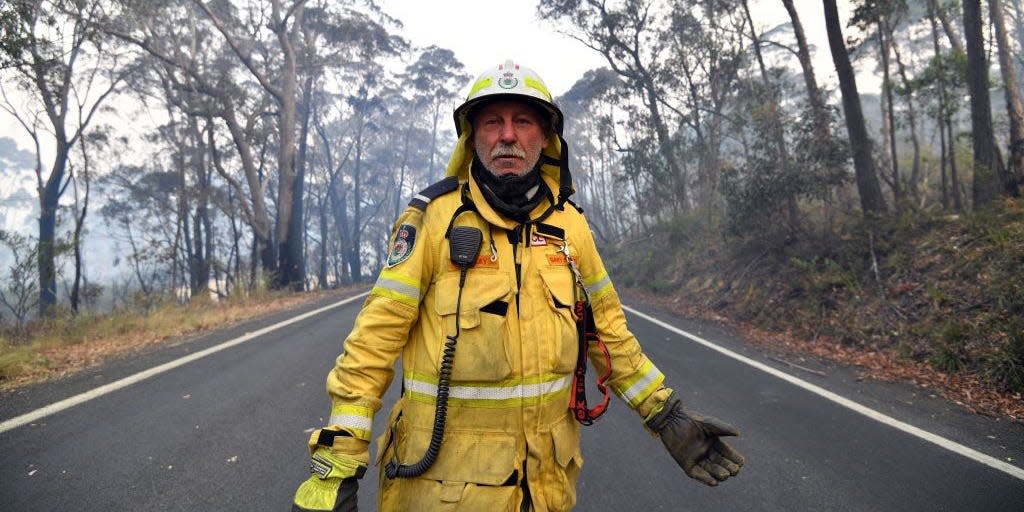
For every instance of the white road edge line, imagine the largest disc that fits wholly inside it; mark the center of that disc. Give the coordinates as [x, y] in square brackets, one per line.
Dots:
[952, 446]
[67, 403]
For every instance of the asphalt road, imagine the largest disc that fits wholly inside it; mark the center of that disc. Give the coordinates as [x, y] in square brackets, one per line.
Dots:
[227, 432]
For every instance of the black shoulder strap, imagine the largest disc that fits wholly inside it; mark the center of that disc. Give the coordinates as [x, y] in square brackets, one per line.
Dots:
[421, 200]
[466, 206]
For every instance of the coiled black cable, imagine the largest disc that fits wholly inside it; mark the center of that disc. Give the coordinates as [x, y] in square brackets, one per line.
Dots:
[463, 239]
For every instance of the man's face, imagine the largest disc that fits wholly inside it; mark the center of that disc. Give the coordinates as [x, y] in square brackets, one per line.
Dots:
[508, 136]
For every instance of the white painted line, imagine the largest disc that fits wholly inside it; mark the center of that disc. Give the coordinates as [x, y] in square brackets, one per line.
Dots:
[67, 403]
[952, 446]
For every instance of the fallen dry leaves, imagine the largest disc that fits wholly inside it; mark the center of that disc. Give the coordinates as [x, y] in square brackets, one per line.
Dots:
[965, 390]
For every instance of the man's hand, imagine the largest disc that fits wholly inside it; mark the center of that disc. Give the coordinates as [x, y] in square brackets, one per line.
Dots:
[334, 478]
[694, 442]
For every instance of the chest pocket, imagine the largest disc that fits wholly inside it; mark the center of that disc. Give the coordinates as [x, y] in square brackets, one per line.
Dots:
[482, 353]
[563, 345]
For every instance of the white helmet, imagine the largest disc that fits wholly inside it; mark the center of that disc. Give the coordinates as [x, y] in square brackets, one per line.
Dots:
[508, 79]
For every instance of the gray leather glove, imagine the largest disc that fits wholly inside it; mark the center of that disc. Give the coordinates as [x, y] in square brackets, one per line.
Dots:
[694, 442]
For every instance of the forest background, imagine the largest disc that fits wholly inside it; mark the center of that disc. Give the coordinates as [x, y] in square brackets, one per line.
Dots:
[720, 175]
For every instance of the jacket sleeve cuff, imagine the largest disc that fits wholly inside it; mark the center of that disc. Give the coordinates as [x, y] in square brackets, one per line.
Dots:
[653, 403]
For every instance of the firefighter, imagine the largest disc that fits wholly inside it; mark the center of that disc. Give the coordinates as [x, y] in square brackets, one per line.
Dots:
[481, 297]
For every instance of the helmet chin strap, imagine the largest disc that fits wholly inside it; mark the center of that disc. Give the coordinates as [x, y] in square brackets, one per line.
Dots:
[564, 176]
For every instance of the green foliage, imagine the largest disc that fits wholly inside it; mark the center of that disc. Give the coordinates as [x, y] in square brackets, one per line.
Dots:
[949, 354]
[1004, 368]
[947, 291]
[19, 285]
[13, 38]
[758, 196]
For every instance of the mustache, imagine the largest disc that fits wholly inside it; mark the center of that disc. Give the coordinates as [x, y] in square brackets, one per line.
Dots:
[508, 150]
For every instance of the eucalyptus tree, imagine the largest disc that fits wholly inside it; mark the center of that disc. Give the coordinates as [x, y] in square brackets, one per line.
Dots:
[191, 73]
[945, 11]
[906, 91]
[139, 200]
[633, 38]
[333, 154]
[436, 77]
[12, 31]
[709, 51]
[940, 84]
[872, 16]
[592, 122]
[81, 187]
[273, 63]
[990, 176]
[64, 66]
[19, 283]
[1014, 104]
[868, 188]
[368, 112]
[816, 149]
[773, 123]
[885, 19]
[815, 97]
[337, 39]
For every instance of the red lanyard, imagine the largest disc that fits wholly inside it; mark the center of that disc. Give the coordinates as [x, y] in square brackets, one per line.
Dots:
[586, 333]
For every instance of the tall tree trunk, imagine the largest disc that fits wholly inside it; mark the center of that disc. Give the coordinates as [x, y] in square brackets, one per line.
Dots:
[433, 142]
[76, 241]
[183, 212]
[324, 240]
[354, 259]
[988, 164]
[1018, 19]
[1014, 104]
[49, 196]
[945, 149]
[406, 137]
[814, 96]
[871, 199]
[915, 170]
[777, 134]
[954, 176]
[291, 268]
[256, 215]
[298, 282]
[947, 26]
[889, 114]
[199, 263]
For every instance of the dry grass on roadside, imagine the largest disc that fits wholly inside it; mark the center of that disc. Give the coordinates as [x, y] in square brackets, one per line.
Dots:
[68, 344]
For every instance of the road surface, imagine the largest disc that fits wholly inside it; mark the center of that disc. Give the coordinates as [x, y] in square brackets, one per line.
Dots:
[226, 430]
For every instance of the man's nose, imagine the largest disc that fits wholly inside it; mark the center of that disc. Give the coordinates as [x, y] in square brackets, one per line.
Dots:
[508, 132]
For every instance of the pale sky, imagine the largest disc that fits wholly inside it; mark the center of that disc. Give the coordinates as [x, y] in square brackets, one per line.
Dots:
[483, 33]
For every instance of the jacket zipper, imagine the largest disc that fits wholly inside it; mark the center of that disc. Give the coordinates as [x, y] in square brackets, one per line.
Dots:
[514, 237]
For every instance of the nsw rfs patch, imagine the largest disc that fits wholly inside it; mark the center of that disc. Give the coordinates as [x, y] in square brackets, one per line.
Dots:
[402, 244]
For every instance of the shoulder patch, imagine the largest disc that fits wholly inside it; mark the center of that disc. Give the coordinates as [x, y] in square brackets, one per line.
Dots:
[401, 244]
[421, 200]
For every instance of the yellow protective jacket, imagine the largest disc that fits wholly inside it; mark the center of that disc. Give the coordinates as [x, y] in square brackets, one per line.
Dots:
[508, 417]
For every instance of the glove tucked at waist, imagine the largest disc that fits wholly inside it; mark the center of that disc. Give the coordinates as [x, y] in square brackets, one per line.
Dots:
[694, 442]
[333, 480]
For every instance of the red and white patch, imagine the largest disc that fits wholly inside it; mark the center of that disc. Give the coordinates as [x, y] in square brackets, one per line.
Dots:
[537, 240]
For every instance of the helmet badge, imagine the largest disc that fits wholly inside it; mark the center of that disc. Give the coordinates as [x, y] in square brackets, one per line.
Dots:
[508, 80]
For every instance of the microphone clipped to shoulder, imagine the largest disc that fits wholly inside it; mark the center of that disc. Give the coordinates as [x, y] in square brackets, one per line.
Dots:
[464, 243]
